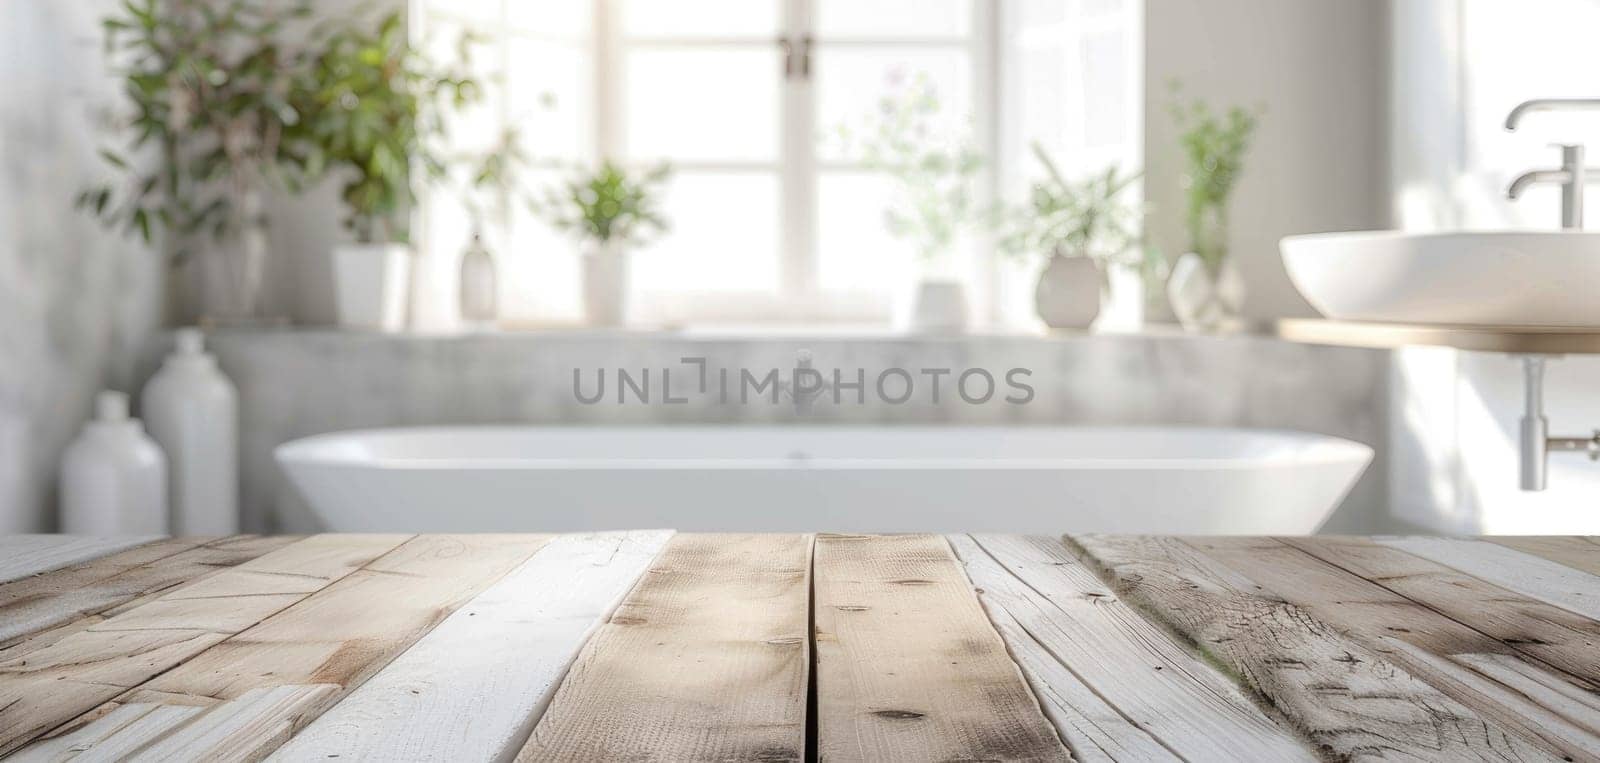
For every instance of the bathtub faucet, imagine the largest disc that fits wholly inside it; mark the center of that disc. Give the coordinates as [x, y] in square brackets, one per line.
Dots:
[805, 385]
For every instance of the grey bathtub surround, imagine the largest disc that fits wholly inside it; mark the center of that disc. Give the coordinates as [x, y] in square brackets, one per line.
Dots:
[298, 383]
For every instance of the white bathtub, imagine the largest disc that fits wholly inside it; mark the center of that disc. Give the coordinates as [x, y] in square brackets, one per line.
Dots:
[1027, 480]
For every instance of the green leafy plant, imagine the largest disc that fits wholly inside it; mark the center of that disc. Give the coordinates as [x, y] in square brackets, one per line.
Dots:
[1214, 147]
[491, 178]
[211, 115]
[378, 113]
[608, 204]
[935, 170]
[1085, 218]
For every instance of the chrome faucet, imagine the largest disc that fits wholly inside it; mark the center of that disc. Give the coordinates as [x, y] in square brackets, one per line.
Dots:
[1572, 176]
[1548, 104]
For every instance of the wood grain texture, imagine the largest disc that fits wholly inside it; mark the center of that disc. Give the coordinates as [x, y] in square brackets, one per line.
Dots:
[908, 666]
[1508, 568]
[24, 555]
[52, 685]
[84, 592]
[473, 688]
[1348, 699]
[1422, 641]
[706, 659]
[271, 679]
[1553, 635]
[114, 737]
[1116, 686]
[1579, 553]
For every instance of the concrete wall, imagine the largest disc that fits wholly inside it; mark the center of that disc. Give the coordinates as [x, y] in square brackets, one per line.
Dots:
[1319, 67]
[77, 305]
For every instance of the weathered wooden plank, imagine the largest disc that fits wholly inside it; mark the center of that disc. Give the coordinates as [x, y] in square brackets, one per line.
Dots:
[1555, 636]
[1424, 642]
[706, 659]
[1349, 700]
[52, 685]
[81, 592]
[1528, 575]
[908, 666]
[24, 555]
[270, 680]
[1576, 552]
[1116, 686]
[133, 726]
[473, 688]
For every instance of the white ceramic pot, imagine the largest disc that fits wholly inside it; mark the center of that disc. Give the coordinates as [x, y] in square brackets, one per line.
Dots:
[939, 307]
[1204, 301]
[605, 286]
[1069, 291]
[371, 282]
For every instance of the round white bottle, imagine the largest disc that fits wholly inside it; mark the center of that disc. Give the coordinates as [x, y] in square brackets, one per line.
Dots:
[192, 411]
[113, 477]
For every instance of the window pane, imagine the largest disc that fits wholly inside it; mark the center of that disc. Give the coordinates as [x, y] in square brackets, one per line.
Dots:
[706, 104]
[566, 19]
[724, 235]
[539, 265]
[855, 249]
[893, 18]
[700, 18]
[852, 82]
[549, 98]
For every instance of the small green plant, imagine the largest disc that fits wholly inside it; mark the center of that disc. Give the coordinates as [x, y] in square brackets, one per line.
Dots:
[377, 114]
[211, 115]
[608, 204]
[1085, 218]
[491, 178]
[1214, 146]
[935, 171]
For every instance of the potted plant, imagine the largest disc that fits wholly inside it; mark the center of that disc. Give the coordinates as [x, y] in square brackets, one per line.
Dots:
[935, 172]
[613, 210]
[374, 117]
[1082, 229]
[1205, 288]
[212, 125]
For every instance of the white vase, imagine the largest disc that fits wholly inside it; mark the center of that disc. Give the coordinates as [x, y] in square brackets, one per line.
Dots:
[1205, 301]
[233, 272]
[113, 477]
[939, 307]
[480, 287]
[605, 285]
[192, 412]
[1068, 293]
[371, 282]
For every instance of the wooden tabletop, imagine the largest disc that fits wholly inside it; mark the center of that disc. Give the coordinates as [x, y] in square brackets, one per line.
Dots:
[1527, 340]
[654, 646]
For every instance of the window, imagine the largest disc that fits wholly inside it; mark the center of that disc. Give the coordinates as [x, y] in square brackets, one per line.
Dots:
[771, 220]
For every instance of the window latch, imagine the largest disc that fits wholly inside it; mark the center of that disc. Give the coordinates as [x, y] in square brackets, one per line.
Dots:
[805, 57]
[787, 48]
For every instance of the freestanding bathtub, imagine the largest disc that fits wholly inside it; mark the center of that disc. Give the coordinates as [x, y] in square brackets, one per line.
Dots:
[794, 479]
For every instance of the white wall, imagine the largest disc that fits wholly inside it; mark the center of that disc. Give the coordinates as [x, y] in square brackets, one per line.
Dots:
[1319, 160]
[1460, 66]
[76, 304]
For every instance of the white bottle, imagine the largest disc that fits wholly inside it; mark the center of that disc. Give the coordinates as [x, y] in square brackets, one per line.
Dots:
[113, 477]
[192, 411]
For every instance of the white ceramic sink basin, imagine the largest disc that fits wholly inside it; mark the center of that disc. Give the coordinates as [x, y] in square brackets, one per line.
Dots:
[1489, 279]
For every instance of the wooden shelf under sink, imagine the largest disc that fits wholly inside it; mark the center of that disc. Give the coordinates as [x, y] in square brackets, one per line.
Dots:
[1513, 339]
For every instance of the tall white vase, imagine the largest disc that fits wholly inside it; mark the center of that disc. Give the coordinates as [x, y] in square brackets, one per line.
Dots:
[192, 412]
[372, 282]
[113, 477]
[605, 285]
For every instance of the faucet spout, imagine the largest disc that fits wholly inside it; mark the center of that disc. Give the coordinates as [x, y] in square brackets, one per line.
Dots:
[1548, 104]
[1520, 185]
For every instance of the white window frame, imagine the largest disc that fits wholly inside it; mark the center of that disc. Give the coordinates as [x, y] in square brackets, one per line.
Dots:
[800, 298]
